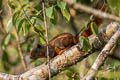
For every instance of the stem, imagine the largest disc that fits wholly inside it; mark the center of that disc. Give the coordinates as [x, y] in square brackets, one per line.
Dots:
[46, 29]
[19, 47]
[20, 50]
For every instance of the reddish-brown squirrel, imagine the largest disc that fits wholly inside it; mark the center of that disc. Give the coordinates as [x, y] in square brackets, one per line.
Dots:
[62, 41]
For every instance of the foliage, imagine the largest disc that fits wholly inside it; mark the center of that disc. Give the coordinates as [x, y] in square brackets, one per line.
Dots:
[84, 41]
[94, 28]
[27, 20]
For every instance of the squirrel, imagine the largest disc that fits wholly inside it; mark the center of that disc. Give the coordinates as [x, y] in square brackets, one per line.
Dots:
[56, 46]
[63, 41]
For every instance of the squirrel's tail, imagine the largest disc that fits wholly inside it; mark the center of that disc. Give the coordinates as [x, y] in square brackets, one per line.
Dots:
[88, 31]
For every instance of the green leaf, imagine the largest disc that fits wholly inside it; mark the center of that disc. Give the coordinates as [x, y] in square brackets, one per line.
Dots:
[54, 20]
[66, 14]
[9, 25]
[86, 24]
[42, 41]
[94, 28]
[7, 39]
[49, 12]
[39, 29]
[26, 47]
[26, 27]
[33, 20]
[15, 17]
[19, 23]
[85, 43]
[61, 4]
[64, 10]
[91, 17]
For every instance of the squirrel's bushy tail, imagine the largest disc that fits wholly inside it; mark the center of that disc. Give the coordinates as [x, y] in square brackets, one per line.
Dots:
[88, 31]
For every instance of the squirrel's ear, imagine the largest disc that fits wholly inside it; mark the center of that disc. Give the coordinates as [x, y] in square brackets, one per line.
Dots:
[39, 46]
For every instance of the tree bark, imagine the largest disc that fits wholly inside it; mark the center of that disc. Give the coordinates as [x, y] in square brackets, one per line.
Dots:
[69, 57]
[102, 56]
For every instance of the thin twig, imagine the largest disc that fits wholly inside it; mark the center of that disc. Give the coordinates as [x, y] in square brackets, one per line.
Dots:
[92, 11]
[46, 29]
[19, 47]
[20, 50]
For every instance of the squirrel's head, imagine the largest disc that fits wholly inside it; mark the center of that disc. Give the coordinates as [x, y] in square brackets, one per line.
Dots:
[41, 52]
[37, 52]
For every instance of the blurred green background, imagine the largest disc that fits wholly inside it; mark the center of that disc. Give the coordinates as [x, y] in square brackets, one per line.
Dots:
[60, 18]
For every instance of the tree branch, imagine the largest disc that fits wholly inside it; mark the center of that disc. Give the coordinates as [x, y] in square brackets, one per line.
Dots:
[102, 56]
[69, 57]
[95, 12]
